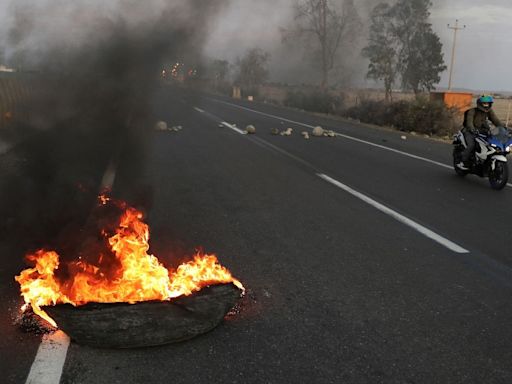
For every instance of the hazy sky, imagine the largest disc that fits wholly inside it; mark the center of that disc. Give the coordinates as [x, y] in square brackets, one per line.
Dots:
[484, 49]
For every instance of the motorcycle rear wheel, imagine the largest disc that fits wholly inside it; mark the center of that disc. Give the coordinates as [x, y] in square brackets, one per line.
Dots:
[498, 177]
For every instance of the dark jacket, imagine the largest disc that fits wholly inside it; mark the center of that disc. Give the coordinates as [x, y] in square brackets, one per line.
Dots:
[475, 120]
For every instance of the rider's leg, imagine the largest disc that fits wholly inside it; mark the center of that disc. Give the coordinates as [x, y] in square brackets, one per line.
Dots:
[470, 142]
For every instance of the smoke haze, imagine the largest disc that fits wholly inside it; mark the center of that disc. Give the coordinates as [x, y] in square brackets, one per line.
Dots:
[98, 65]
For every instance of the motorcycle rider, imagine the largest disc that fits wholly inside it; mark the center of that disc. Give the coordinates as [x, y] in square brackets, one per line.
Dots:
[476, 120]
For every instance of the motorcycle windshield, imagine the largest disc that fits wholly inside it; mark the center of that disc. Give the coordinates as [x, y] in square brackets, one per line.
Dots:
[500, 136]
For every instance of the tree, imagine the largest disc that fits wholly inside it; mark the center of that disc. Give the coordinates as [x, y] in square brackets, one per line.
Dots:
[418, 70]
[327, 24]
[382, 48]
[402, 44]
[252, 68]
[219, 69]
[425, 62]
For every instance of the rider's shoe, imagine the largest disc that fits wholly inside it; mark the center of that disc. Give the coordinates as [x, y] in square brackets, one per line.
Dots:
[462, 166]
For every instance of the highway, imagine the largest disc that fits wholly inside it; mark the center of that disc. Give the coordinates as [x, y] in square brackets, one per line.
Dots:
[366, 259]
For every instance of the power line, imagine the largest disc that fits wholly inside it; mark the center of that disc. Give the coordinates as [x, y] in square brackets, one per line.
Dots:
[455, 28]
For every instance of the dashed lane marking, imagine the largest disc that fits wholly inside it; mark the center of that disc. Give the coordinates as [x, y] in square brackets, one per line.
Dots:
[410, 155]
[231, 126]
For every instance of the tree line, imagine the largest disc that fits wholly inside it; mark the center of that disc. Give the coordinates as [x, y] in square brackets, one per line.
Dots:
[402, 48]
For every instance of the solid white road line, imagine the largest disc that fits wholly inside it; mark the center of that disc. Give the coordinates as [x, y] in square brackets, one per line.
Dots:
[340, 135]
[231, 126]
[345, 136]
[397, 216]
[199, 110]
[51, 355]
[49, 361]
[263, 113]
[395, 151]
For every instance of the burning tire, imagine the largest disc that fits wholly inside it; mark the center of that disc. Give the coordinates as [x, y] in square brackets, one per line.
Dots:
[149, 323]
[122, 296]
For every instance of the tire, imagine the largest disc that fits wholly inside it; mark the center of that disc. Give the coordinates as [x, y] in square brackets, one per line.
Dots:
[457, 158]
[499, 177]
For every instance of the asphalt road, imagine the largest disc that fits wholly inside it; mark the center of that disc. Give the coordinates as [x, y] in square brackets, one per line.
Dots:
[338, 290]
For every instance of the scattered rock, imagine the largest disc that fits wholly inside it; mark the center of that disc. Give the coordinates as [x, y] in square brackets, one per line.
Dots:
[306, 135]
[250, 129]
[274, 131]
[221, 125]
[403, 137]
[161, 126]
[318, 131]
[288, 132]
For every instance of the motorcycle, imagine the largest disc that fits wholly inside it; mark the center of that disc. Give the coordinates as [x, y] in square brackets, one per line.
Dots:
[489, 158]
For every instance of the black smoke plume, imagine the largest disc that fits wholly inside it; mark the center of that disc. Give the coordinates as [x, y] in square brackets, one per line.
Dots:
[95, 68]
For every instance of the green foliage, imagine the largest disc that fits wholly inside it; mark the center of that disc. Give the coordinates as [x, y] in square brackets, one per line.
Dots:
[382, 48]
[402, 42]
[420, 115]
[314, 101]
[420, 60]
[422, 70]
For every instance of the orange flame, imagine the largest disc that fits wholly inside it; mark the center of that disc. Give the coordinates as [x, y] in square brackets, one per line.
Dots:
[139, 276]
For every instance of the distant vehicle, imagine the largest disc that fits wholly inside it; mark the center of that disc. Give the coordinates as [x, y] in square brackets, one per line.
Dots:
[490, 156]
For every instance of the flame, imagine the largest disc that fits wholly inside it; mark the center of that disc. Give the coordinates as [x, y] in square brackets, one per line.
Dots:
[137, 276]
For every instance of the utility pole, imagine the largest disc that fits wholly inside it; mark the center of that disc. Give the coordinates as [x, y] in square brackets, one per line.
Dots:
[455, 28]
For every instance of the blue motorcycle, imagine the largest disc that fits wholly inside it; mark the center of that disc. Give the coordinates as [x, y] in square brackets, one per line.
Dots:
[489, 158]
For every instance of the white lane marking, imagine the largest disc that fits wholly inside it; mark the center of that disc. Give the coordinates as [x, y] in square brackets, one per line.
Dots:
[51, 355]
[397, 216]
[231, 126]
[342, 135]
[199, 110]
[395, 151]
[346, 137]
[49, 362]
[264, 114]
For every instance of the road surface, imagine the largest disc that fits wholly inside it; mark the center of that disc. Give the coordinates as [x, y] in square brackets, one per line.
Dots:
[367, 260]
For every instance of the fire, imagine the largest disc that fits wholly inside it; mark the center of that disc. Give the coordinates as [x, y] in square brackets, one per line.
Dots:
[136, 275]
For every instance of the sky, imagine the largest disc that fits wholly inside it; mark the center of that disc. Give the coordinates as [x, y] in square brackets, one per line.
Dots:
[484, 47]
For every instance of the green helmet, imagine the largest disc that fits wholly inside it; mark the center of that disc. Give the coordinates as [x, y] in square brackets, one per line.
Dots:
[484, 102]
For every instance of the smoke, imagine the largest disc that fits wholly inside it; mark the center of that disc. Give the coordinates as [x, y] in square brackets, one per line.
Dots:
[248, 24]
[96, 65]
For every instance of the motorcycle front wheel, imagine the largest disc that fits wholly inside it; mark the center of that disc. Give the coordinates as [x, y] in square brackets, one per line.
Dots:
[499, 176]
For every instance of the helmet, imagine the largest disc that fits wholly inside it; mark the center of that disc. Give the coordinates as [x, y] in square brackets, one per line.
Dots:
[484, 102]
